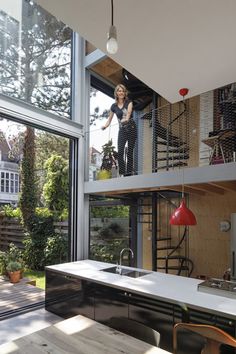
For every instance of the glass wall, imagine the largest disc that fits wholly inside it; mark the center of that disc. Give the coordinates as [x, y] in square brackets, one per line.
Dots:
[102, 143]
[110, 230]
[36, 219]
[35, 56]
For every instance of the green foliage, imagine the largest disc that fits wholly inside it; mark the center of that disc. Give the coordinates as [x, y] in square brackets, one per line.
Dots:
[96, 115]
[48, 144]
[111, 212]
[63, 216]
[109, 252]
[36, 240]
[56, 249]
[43, 76]
[28, 197]
[43, 212]
[109, 156]
[39, 276]
[9, 211]
[3, 262]
[56, 188]
[42, 246]
[14, 266]
[111, 230]
[103, 174]
[13, 254]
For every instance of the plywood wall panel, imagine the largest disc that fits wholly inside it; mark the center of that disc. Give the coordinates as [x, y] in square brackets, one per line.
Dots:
[210, 247]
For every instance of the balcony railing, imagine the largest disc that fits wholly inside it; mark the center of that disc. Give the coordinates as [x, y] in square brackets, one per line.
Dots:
[185, 134]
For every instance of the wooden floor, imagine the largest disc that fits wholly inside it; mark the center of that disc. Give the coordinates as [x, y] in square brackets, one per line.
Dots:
[19, 298]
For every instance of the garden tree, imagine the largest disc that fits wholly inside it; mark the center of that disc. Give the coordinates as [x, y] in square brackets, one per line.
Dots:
[16, 143]
[56, 188]
[48, 144]
[28, 200]
[97, 115]
[38, 72]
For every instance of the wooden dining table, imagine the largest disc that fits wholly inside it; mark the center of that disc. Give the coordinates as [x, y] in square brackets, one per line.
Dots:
[78, 335]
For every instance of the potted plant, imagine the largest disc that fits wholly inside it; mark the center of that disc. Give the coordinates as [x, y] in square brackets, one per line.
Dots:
[14, 270]
[109, 161]
[15, 254]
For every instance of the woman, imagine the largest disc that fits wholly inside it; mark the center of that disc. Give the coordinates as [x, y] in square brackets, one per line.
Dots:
[123, 108]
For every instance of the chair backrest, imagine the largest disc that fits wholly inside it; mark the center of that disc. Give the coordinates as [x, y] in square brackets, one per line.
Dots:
[136, 329]
[214, 337]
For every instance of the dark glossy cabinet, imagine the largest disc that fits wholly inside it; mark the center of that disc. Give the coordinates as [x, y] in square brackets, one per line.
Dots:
[68, 296]
[156, 314]
[109, 302]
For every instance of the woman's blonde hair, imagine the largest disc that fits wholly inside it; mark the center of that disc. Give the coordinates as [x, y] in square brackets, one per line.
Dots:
[123, 88]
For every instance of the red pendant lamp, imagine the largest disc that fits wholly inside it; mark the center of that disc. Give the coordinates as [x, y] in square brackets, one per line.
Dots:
[183, 215]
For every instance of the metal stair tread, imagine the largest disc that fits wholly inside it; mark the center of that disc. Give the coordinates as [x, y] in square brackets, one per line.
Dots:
[165, 248]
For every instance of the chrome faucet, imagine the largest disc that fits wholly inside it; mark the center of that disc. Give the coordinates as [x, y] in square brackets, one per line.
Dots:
[119, 267]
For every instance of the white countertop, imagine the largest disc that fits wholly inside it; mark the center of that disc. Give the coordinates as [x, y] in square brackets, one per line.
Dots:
[171, 288]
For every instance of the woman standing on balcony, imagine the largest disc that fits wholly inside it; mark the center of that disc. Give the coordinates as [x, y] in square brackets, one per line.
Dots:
[123, 108]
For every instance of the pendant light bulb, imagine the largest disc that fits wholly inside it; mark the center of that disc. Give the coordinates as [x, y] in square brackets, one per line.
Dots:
[112, 45]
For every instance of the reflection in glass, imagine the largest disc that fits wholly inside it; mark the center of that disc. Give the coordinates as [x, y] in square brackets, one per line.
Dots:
[35, 56]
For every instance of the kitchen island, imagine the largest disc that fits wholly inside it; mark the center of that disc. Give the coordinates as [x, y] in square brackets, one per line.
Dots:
[155, 299]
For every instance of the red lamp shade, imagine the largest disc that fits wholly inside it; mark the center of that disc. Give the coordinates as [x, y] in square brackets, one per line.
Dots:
[183, 91]
[183, 216]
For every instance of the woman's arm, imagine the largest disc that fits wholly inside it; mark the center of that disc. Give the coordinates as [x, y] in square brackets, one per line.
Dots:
[108, 122]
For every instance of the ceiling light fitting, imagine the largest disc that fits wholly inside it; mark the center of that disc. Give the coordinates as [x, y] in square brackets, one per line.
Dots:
[112, 45]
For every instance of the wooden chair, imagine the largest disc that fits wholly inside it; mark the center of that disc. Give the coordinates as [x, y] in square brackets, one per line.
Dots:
[136, 329]
[214, 337]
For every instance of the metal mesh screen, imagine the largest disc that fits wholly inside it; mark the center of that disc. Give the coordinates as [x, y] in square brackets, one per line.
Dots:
[169, 137]
[195, 132]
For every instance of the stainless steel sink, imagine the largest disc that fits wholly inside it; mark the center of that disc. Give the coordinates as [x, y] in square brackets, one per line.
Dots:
[136, 274]
[126, 272]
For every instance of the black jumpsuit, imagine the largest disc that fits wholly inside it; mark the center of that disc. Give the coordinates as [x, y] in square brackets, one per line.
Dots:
[127, 133]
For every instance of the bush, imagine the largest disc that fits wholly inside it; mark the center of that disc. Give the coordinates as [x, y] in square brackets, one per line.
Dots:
[110, 231]
[43, 212]
[9, 211]
[109, 252]
[3, 262]
[14, 254]
[56, 249]
[56, 187]
[14, 266]
[42, 246]
[110, 212]
[35, 242]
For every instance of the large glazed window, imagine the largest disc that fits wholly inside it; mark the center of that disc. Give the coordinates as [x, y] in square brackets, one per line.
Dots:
[110, 230]
[35, 56]
[35, 193]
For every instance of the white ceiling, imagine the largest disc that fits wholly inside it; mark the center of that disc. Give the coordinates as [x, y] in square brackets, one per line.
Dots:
[168, 44]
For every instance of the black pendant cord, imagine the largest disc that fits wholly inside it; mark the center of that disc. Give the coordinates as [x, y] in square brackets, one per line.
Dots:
[112, 12]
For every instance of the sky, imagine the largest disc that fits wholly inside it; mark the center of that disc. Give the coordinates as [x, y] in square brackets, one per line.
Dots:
[9, 127]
